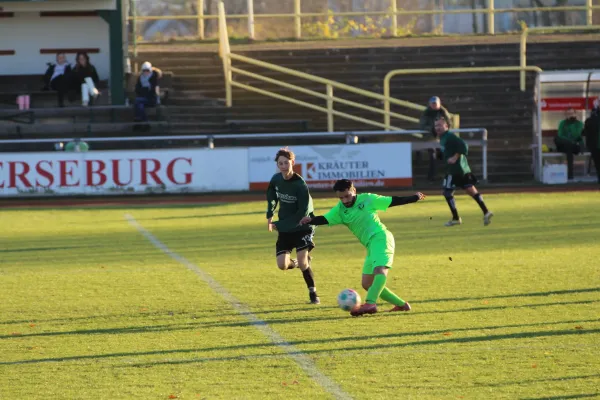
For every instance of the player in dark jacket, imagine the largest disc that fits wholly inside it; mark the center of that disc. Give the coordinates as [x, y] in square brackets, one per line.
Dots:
[289, 190]
[591, 131]
[458, 172]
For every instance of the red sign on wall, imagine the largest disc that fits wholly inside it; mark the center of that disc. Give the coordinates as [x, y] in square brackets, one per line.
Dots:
[564, 103]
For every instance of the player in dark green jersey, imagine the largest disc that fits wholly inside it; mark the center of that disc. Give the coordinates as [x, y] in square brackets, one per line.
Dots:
[458, 172]
[359, 214]
[290, 191]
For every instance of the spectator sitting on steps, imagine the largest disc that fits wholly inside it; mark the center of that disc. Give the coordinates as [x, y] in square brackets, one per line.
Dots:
[57, 77]
[569, 139]
[431, 114]
[85, 78]
[147, 91]
[591, 131]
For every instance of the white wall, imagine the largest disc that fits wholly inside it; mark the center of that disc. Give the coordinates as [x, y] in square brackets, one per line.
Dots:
[27, 33]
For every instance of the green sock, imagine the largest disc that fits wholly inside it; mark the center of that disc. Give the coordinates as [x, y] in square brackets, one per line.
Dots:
[391, 297]
[376, 288]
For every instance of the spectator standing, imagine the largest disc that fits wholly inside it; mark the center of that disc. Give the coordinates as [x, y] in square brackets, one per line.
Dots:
[85, 78]
[431, 114]
[569, 139]
[57, 77]
[591, 131]
[147, 91]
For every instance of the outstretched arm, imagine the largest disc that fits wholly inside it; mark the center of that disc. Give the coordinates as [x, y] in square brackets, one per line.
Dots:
[402, 200]
[320, 220]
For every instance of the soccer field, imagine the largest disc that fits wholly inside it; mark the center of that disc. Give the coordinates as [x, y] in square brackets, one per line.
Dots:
[186, 302]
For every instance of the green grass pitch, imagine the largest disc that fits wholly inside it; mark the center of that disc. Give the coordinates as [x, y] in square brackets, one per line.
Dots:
[91, 309]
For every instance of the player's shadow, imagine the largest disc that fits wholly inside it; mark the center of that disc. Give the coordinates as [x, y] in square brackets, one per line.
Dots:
[512, 295]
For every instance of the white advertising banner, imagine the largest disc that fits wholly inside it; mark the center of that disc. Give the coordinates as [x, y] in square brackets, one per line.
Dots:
[367, 165]
[117, 172]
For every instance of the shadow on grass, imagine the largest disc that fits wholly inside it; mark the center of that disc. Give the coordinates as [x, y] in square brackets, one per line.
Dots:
[491, 308]
[508, 296]
[25, 250]
[562, 378]
[197, 315]
[563, 397]
[194, 325]
[371, 347]
[520, 335]
[173, 327]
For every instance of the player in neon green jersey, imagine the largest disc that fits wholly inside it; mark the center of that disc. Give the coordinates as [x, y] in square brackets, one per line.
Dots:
[359, 214]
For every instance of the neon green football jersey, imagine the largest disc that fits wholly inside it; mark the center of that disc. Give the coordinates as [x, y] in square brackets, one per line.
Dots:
[362, 218]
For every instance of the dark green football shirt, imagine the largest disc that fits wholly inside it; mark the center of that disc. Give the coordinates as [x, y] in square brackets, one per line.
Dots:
[452, 144]
[294, 202]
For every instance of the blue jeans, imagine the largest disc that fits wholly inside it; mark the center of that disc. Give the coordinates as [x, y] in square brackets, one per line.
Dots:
[140, 107]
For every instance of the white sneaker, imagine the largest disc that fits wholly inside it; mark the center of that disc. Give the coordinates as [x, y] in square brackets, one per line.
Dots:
[453, 222]
[487, 218]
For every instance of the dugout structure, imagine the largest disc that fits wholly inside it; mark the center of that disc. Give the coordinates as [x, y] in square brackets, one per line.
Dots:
[33, 31]
[556, 92]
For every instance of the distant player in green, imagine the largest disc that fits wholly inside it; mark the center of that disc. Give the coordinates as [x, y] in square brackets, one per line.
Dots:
[290, 191]
[359, 214]
[458, 172]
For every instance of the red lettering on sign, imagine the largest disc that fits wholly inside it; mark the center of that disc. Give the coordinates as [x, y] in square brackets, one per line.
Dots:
[99, 171]
[44, 173]
[67, 173]
[187, 177]
[115, 173]
[14, 174]
[145, 172]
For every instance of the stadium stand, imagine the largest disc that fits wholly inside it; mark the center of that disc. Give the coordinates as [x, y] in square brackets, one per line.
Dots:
[493, 101]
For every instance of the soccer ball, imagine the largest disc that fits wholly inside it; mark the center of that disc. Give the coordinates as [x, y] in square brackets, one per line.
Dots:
[348, 299]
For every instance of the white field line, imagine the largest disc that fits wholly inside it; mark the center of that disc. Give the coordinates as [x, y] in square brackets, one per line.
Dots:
[293, 352]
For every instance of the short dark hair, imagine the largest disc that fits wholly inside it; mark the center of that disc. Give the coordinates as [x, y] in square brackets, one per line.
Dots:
[287, 153]
[442, 118]
[343, 185]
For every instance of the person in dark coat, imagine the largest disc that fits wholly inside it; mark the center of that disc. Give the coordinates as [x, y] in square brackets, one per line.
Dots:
[432, 113]
[591, 132]
[85, 78]
[57, 77]
[147, 91]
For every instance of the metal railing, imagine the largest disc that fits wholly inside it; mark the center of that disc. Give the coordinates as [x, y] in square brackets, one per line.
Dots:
[330, 85]
[525, 31]
[464, 70]
[392, 13]
[347, 136]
